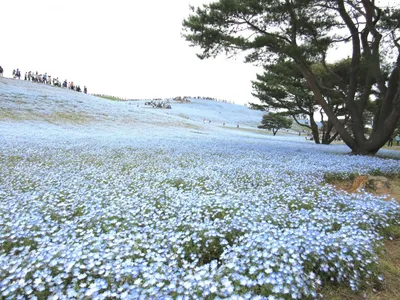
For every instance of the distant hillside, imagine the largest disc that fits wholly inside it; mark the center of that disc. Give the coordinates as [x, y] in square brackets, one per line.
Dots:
[22, 100]
[34, 103]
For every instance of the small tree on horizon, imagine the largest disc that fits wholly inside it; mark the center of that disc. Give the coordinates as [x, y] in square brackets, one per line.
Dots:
[274, 122]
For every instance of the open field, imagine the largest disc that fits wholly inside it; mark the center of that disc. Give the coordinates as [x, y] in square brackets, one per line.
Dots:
[118, 209]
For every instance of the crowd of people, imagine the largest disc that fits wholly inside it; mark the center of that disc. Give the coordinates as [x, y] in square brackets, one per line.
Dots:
[45, 79]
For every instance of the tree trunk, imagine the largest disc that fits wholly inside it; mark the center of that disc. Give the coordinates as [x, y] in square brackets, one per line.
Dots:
[314, 130]
[389, 115]
[327, 138]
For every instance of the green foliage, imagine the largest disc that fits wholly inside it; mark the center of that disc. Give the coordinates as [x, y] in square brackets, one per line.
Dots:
[282, 87]
[113, 98]
[332, 177]
[217, 27]
[7, 245]
[177, 183]
[301, 33]
[391, 232]
[275, 122]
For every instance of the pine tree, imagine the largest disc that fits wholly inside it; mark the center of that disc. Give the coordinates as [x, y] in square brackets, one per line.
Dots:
[302, 32]
[274, 122]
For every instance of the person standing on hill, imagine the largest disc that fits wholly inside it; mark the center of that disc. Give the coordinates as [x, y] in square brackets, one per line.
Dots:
[398, 140]
[390, 141]
[1, 71]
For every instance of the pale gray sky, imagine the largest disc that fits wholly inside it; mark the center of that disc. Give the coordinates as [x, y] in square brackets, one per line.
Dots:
[127, 48]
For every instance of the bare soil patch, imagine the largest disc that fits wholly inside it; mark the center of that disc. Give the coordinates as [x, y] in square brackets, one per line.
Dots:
[354, 186]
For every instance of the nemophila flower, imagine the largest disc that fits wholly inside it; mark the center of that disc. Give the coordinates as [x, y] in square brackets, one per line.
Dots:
[195, 219]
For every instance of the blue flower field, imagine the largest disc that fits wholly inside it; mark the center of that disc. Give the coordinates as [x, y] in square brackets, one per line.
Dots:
[103, 199]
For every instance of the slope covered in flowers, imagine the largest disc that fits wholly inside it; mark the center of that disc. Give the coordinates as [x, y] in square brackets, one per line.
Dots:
[28, 101]
[102, 209]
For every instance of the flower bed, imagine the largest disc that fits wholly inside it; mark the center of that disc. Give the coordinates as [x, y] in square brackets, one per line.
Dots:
[238, 218]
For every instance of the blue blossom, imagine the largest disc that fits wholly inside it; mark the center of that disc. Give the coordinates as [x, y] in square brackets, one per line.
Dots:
[110, 210]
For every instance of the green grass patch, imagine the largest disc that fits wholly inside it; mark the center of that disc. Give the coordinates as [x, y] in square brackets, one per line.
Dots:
[333, 177]
[177, 183]
[112, 98]
[8, 245]
[251, 130]
[393, 175]
[391, 232]
[54, 117]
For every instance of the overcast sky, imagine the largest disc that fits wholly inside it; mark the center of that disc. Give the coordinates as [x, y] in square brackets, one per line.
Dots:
[126, 48]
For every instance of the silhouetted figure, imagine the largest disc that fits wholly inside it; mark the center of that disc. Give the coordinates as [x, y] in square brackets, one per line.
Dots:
[1, 71]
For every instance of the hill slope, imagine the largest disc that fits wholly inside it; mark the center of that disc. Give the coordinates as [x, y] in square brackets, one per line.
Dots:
[102, 199]
[44, 111]
[34, 103]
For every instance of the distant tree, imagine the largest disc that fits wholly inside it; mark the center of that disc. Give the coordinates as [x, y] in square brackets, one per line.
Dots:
[274, 122]
[302, 32]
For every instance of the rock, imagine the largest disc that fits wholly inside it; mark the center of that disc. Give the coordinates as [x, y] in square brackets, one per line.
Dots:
[372, 184]
[378, 184]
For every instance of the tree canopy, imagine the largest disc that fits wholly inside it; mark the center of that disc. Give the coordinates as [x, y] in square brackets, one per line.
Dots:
[274, 122]
[283, 88]
[303, 32]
